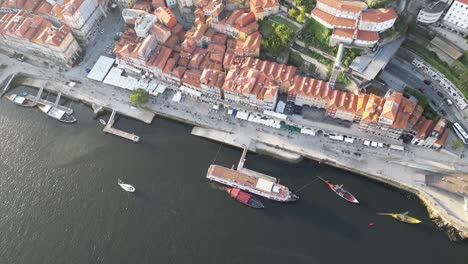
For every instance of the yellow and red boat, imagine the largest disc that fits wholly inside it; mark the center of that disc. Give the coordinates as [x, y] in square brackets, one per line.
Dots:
[403, 217]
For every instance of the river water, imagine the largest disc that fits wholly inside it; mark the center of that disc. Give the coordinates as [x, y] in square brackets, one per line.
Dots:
[60, 202]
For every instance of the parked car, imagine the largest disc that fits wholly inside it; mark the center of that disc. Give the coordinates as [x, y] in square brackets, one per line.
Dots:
[421, 89]
[448, 101]
[440, 94]
[427, 82]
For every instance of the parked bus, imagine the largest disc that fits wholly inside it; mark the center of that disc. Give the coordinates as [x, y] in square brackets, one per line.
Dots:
[461, 133]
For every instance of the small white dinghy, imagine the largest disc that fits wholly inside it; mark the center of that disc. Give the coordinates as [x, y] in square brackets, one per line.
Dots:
[126, 187]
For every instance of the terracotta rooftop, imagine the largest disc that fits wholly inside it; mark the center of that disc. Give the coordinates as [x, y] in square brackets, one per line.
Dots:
[378, 15]
[44, 8]
[367, 35]
[443, 138]
[212, 78]
[192, 77]
[426, 127]
[349, 6]
[219, 38]
[166, 16]
[158, 3]
[333, 20]
[263, 4]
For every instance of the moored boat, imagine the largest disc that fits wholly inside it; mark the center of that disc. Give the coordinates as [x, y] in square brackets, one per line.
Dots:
[126, 187]
[57, 114]
[21, 100]
[338, 189]
[260, 186]
[245, 198]
[403, 217]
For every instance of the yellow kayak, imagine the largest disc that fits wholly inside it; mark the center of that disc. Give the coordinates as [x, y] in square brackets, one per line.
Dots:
[403, 218]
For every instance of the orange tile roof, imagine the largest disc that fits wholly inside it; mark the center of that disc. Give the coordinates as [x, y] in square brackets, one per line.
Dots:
[192, 77]
[367, 35]
[245, 19]
[250, 45]
[426, 128]
[172, 41]
[443, 138]
[160, 57]
[361, 103]
[392, 103]
[169, 66]
[440, 125]
[234, 15]
[158, 3]
[44, 8]
[353, 7]
[344, 32]
[213, 78]
[415, 116]
[166, 16]
[71, 7]
[333, 20]
[379, 15]
[373, 108]
[219, 38]
[263, 4]
[178, 72]
[161, 32]
[145, 6]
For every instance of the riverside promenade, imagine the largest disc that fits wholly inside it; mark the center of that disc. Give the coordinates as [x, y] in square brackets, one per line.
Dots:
[402, 169]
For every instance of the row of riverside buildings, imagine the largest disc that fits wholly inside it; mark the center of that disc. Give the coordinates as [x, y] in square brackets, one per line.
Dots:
[352, 22]
[57, 30]
[217, 59]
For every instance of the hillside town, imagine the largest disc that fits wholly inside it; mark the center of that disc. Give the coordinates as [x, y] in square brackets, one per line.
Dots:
[389, 74]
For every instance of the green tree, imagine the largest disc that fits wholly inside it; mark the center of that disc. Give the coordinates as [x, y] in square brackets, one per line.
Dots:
[273, 44]
[303, 9]
[283, 33]
[301, 18]
[456, 144]
[139, 97]
[292, 12]
[372, 4]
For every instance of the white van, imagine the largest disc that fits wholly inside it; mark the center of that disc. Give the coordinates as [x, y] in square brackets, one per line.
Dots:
[448, 101]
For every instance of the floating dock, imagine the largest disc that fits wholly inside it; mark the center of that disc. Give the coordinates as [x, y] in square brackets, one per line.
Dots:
[109, 129]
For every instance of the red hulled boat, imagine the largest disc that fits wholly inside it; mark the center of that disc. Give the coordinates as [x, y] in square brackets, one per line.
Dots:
[338, 189]
[245, 198]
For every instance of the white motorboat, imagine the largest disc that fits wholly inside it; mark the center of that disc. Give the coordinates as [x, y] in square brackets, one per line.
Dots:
[126, 187]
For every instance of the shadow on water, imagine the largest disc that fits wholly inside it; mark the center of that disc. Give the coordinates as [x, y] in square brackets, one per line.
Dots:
[141, 195]
[313, 214]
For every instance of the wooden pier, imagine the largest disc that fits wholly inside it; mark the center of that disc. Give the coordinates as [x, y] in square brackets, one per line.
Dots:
[109, 129]
[240, 167]
[55, 104]
[7, 86]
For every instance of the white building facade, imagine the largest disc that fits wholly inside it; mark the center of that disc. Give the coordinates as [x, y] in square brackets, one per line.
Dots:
[457, 16]
[432, 14]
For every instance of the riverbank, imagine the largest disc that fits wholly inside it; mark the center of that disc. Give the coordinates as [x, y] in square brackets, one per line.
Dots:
[286, 145]
[443, 219]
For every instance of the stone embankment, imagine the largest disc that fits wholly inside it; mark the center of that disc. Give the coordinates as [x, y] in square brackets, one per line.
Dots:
[454, 228]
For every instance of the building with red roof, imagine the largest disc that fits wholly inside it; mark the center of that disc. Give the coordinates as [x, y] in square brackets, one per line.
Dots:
[352, 22]
[264, 8]
[166, 17]
[33, 34]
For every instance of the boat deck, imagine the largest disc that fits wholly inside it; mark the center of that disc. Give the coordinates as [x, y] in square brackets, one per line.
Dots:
[248, 181]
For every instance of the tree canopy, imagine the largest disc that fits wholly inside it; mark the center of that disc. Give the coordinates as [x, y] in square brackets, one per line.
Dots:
[139, 97]
[278, 39]
[292, 12]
